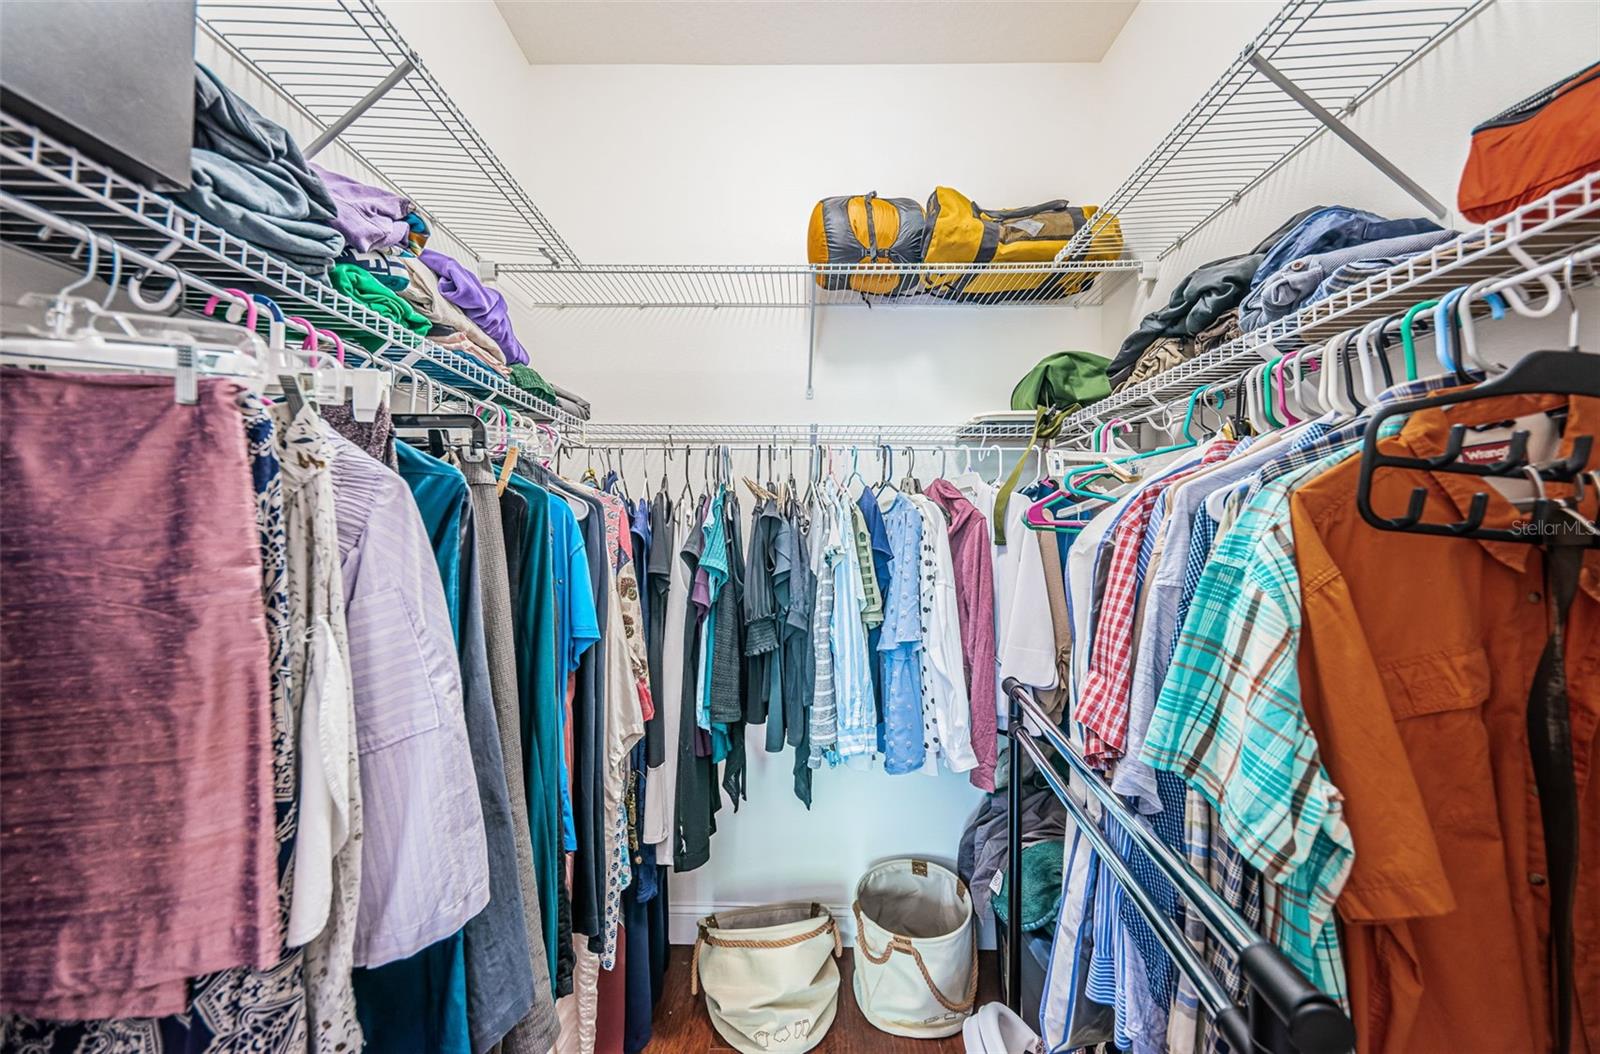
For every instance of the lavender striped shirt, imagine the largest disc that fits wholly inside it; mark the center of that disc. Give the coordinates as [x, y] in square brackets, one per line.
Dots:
[424, 862]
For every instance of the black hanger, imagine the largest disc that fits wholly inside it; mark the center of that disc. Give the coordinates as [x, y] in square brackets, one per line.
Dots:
[434, 427]
[1383, 349]
[1241, 424]
[1538, 373]
[1342, 353]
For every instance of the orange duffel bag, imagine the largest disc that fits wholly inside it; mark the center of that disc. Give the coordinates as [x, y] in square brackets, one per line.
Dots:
[1538, 146]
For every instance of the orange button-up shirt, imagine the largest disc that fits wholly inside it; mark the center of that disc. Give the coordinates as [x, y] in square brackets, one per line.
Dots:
[1418, 658]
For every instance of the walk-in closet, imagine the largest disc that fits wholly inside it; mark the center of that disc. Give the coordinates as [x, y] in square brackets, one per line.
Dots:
[617, 526]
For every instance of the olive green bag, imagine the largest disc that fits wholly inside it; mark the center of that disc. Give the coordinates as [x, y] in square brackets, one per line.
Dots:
[1057, 386]
[1066, 380]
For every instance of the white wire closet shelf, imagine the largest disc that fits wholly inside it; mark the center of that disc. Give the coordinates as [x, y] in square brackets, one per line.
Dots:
[1338, 53]
[1080, 283]
[1555, 226]
[328, 56]
[58, 179]
[612, 434]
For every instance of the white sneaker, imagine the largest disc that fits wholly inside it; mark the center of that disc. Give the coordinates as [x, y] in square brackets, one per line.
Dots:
[994, 1029]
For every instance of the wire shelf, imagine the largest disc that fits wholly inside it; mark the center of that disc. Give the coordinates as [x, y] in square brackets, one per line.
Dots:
[42, 172]
[1076, 284]
[1339, 52]
[1553, 227]
[978, 430]
[325, 56]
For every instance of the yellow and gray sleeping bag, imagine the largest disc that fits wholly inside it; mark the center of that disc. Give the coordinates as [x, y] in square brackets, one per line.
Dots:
[961, 231]
[866, 229]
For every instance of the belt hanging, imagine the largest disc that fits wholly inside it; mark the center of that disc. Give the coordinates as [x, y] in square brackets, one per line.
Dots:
[1550, 744]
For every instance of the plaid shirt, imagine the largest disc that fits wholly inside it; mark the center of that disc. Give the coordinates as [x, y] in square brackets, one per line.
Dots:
[1103, 702]
[1229, 720]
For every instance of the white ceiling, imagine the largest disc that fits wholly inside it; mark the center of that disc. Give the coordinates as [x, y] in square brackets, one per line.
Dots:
[813, 32]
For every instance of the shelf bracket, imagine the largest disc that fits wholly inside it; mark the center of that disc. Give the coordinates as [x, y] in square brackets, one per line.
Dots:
[811, 339]
[350, 116]
[1340, 129]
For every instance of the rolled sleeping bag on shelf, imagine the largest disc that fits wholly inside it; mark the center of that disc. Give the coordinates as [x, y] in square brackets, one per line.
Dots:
[866, 229]
[962, 231]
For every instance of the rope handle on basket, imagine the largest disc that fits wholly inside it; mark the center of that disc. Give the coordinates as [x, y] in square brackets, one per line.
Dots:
[704, 937]
[903, 944]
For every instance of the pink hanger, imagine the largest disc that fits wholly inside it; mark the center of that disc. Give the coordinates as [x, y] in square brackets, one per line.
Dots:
[338, 345]
[245, 301]
[1277, 384]
[310, 343]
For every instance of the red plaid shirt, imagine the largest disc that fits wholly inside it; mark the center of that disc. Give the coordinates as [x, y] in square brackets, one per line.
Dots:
[1103, 700]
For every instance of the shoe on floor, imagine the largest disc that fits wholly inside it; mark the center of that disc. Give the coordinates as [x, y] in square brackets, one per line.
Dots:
[994, 1029]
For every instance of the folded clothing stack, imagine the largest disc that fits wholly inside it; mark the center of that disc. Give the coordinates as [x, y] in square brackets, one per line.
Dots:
[477, 301]
[1310, 256]
[451, 327]
[369, 217]
[358, 284]
[1306, 279]
[250, 179]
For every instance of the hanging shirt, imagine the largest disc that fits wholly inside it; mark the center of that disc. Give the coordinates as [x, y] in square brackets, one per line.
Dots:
[424, 859]
[901, 641]
[1027, 645]
[660, 803]
[943, 674]
[577, 630]
[824, 538]
[696, 797]
[1102, 702]
[1421, 687]
[852, 675]
[927, 587]
[1243, 740]
[973, 564]
[714, 565]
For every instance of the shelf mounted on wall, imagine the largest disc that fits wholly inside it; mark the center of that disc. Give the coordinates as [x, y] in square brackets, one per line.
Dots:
[1315, 63]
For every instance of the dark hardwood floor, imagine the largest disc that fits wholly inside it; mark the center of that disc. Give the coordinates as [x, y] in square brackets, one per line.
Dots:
[682, 1027]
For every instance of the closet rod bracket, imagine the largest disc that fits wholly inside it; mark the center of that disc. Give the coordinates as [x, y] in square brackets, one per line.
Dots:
[365, 103]
[811, 340]
[1343, 131]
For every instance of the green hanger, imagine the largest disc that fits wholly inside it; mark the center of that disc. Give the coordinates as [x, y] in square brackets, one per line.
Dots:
[1407, 340]
[1069, 481]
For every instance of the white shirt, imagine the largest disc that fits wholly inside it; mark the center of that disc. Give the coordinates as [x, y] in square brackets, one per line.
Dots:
[1027, 640]
[943, 670]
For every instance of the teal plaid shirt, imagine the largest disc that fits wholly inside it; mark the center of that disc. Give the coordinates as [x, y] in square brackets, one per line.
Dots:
[1229, 720]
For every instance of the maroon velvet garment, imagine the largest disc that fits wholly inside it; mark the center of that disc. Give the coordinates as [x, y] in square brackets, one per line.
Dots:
[137, 847]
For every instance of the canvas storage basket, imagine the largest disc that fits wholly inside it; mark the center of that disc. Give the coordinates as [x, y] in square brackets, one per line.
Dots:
[916, 952]
[962, 231]
[866, 229]
[769, 975]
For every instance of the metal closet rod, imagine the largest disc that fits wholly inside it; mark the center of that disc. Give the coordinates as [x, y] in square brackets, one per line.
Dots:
[778, 444]
[1314, 1020]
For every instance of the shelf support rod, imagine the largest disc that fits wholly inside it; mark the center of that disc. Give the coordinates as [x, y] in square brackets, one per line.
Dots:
[1340, 129]
[350, 116]
[811, 338]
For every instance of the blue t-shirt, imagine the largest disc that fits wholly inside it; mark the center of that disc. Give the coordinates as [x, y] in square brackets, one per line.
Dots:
[577, 629]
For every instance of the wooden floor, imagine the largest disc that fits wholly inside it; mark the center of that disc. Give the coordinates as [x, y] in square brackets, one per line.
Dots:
[682, 1027]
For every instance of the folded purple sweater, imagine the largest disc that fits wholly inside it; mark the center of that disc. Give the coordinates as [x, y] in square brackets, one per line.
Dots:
[369, 217]
[483, 305]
